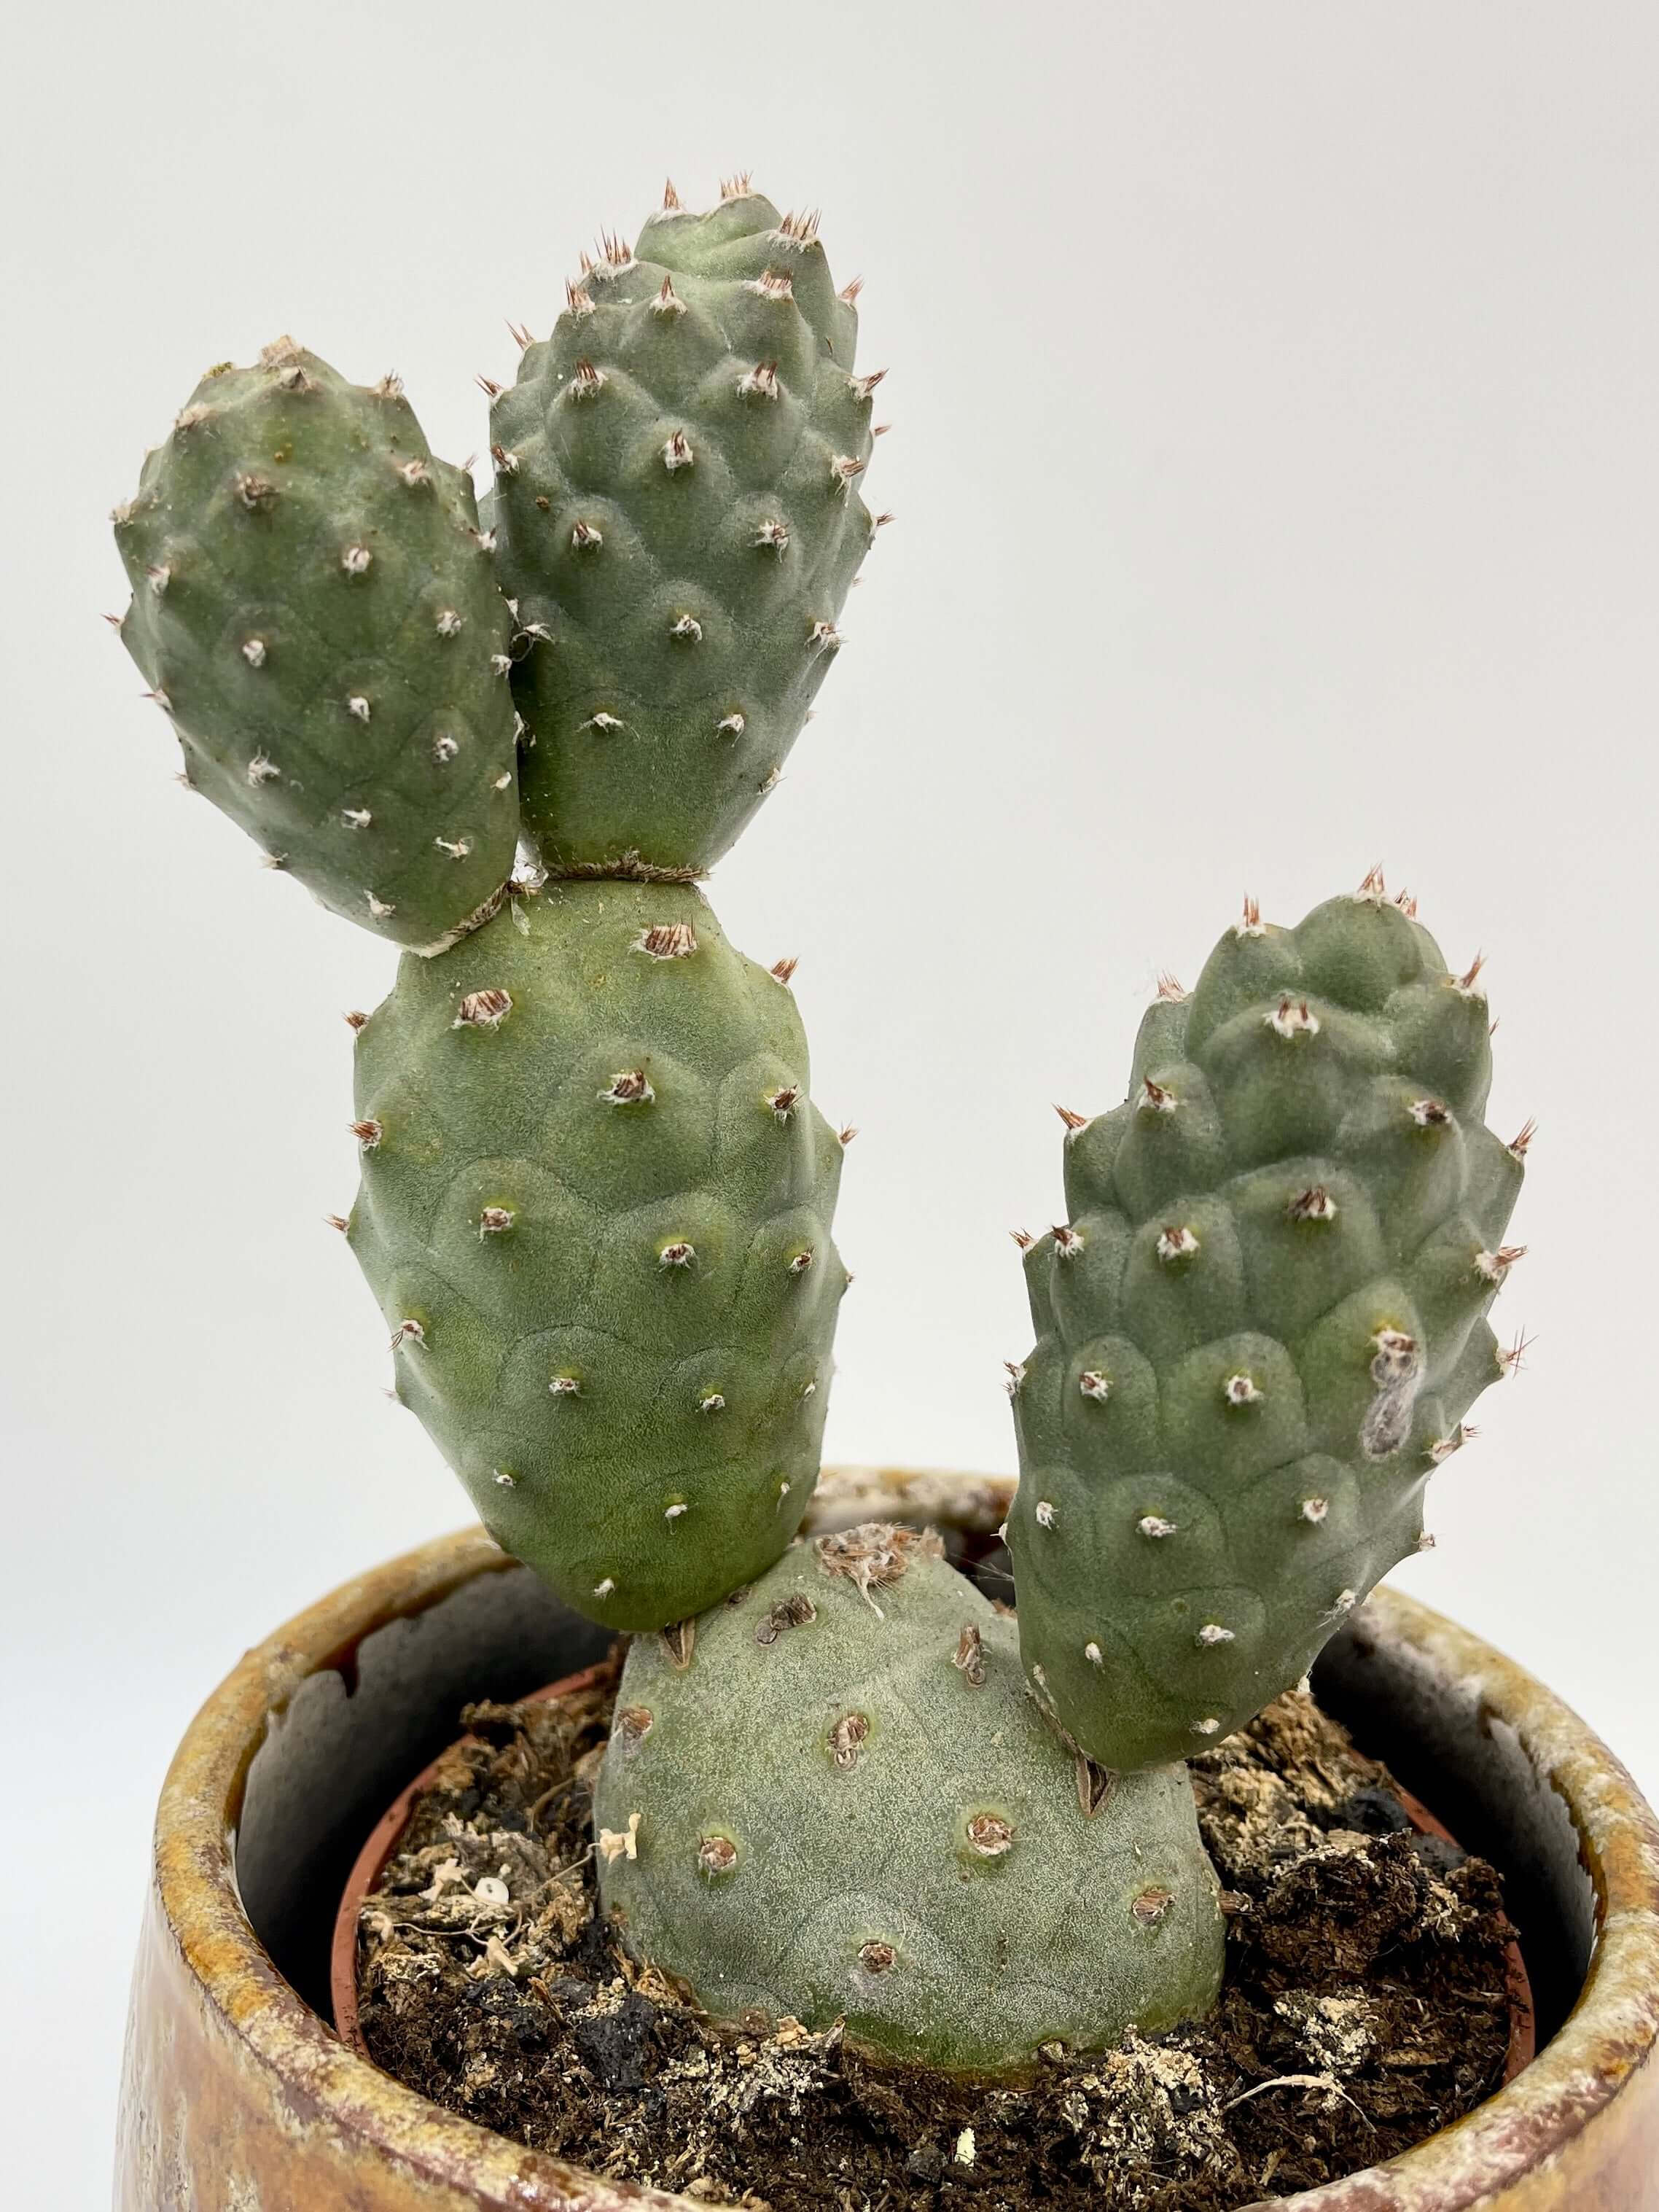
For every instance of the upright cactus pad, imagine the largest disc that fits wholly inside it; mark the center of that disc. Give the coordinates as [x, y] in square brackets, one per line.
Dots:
[676, 497]
[1259, 1328]
[595, 1209]
[314, 608]
[838, 1801]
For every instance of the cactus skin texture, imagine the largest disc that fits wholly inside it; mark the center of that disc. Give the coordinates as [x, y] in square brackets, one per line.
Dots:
[595, 1211]
[845, 1805]
[679, 520]
[1261, 1328]
[314, 607]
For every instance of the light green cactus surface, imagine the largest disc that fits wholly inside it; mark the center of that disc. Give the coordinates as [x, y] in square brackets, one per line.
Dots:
[676, 498]
[1259, 1330]
[839, 1801]
[314, 608]
[595, 1209]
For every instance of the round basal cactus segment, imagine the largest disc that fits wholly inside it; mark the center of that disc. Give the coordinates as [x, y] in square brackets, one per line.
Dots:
[678, 472]
[595, 1209]
[1259, 1328]
[904, 1843]
[315, 608]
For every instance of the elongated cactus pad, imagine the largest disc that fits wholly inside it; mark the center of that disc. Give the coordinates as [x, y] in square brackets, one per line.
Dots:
[677, 504]
[1259, 1328]
[314, 608]
[838, 1801]
[595, 1209]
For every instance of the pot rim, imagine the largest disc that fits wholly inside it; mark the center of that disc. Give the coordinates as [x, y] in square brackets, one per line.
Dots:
[1611, 2033]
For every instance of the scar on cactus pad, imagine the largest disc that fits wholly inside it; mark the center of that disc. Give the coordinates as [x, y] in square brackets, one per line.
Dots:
[1260, 1326]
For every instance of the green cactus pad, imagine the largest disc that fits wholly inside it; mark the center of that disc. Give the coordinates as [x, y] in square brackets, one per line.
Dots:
[315, 609]
[837, 1800]
[595, 1209]
[677, 506]
[1259, 1328]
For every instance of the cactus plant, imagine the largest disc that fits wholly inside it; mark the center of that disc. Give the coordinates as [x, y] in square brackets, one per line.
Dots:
[902, 1845]
[595, 1196]
[314, 607]
[1259, 1326]
[677, 504]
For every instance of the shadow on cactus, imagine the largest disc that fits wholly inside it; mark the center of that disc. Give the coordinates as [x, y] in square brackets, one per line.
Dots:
[596, 1195]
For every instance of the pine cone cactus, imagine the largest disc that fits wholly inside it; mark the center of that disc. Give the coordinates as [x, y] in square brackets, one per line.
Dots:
[677, 497]
[317, 611]
[904, 1845]
[1258, 1329]
[595, 1211]
[595, 1196]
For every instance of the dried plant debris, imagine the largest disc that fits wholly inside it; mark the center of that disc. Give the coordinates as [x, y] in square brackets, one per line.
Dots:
[1365, 2006]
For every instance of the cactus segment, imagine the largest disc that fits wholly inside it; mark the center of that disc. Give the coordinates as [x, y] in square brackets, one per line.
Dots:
[595, 1211]
[315, 609]
[902, 1843]
[1259, 1328]
[676, 495]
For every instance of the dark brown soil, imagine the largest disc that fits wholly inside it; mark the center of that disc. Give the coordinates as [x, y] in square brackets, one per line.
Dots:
[1365, 2006]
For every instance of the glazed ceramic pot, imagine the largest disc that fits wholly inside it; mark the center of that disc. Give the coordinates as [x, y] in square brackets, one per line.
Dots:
[238, 2097]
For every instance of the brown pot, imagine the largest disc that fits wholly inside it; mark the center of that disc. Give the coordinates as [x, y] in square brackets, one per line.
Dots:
[238, 2097]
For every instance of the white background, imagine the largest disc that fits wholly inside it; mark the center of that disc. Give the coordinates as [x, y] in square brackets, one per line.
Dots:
[1275, 461]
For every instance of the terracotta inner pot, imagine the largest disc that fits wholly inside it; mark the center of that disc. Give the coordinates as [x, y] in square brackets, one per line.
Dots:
[386, 1835]
[382, 1841]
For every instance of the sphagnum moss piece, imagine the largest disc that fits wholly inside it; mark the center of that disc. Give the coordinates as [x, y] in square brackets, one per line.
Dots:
[677, 474]
[316, 611]
[595, 1209]
[904, 1844]
[1261, 1328]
